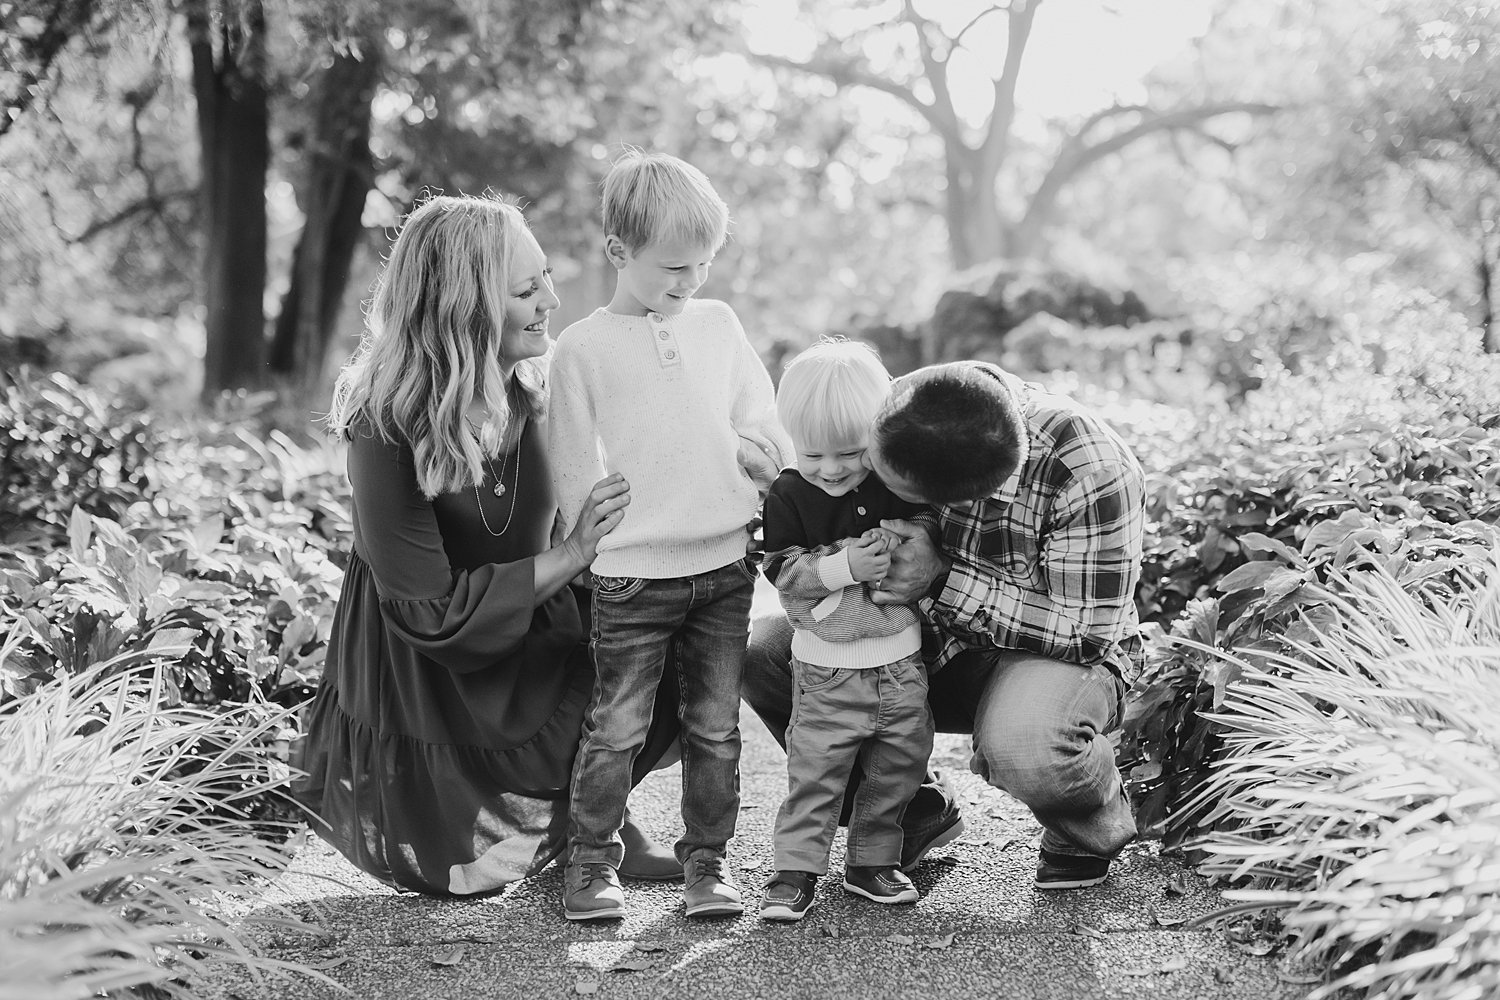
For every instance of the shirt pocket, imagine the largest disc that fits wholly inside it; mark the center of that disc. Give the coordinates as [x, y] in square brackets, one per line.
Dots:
[1012, 553]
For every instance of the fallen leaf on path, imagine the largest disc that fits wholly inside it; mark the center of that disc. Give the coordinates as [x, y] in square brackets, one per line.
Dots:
[1174, 964]
[1157, 918]
[332, 963]
[633, 963]
[585, 987]
[750, 864]
[1176, 885]
[1223, 975]
[832, 932]
[901, 939]
[648, 947]
[1259, 948]
[939, 943]
[451, 956]
[1087, 930]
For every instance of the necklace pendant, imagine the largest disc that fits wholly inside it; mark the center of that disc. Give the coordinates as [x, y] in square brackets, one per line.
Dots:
[499, 489]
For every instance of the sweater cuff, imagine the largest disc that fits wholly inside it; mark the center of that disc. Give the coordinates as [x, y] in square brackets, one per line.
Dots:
[834, 572]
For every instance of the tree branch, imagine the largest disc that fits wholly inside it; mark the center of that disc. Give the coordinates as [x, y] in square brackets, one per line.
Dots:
[847, 74]
[33, 52]
[1076, 157]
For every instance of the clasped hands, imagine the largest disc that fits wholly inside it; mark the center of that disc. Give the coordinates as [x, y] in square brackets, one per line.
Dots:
[898, 559]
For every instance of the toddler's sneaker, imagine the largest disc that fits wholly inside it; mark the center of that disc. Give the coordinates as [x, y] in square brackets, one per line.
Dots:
[710, 890]
[591, 891]
[1070, 871]
[788, 896]
[881, 883]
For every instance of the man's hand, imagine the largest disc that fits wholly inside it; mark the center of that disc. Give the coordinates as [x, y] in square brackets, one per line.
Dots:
[915, 564]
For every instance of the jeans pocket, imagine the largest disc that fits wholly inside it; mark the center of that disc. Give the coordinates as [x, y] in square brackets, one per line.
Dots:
[810, 677]
[746, 566]
[617, 588]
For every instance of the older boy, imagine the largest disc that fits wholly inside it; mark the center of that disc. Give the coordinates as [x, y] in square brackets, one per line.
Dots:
[661, 386]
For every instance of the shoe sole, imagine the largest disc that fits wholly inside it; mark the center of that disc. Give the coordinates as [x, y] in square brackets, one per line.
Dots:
[1072, 883]
[943, 839]
[717, 910]
[909, 896]
[782, 914]
[595, 914]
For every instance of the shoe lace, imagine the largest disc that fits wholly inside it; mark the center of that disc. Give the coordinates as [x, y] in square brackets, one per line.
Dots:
[591, 871]
[711, 867]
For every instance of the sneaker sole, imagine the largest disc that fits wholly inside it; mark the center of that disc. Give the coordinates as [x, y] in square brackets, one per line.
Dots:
[782, 914]
[717, 910]
[1072, 883]
[943, 839]
[615, 914]
[909, 896]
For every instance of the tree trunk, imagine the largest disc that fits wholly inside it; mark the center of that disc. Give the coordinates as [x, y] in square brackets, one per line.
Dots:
[339, 173]
[233, 123]
[1486, 274]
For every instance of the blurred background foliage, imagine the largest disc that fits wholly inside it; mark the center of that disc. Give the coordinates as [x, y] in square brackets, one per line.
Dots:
[197, 194]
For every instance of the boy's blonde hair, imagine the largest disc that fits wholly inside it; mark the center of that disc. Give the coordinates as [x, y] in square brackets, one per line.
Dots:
[830, 393]
[432, 343]
[650, 197]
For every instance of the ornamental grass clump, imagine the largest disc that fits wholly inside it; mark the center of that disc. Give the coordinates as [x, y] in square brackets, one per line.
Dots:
[1359, 791]
[123, 838]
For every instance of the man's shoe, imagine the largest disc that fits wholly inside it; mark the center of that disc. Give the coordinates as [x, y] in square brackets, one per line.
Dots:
[788, 896]
[1070, 871]
[881, 883]
[944, 831]
[591, 891]
[710, 890]
[645, 859]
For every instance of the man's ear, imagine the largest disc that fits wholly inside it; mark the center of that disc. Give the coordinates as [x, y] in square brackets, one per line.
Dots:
[614, 251]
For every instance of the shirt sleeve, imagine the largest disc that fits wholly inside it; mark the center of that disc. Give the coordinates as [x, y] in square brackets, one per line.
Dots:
[465, 620]
[754, 406]
[572, 443]
[1089, 563]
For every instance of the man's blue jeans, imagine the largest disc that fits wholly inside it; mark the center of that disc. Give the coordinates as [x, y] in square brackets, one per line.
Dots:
[1040, 732]
[702, 622]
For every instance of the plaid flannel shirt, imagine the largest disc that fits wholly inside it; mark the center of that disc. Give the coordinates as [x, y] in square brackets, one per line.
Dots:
[1049, 563]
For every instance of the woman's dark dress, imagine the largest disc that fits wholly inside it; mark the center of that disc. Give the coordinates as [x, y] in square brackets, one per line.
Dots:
[439, 745]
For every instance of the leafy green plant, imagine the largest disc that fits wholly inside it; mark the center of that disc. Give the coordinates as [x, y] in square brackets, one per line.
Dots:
[63, 446]
[126, 821]
[1359, 789]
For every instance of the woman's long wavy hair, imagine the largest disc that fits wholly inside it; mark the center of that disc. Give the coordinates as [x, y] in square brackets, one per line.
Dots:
[432, 344]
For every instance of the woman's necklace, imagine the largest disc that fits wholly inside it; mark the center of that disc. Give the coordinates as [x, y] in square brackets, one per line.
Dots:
[500, 488]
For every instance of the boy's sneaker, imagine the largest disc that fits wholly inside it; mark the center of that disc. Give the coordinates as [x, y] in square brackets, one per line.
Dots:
[881, 883]
[710, 890]
[591, 891]
[1070, 871]
[945, 830]
[788, 896]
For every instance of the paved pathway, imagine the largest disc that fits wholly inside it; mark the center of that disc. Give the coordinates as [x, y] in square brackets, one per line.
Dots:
[981, 929]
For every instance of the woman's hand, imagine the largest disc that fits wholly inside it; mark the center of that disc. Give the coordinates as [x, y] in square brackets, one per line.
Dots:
[602, 510]
[915, 564]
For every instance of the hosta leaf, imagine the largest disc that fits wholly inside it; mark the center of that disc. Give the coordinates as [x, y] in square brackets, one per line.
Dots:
[1249, 576]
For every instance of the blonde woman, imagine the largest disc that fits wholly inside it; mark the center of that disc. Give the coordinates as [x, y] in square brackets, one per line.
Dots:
[439, 745]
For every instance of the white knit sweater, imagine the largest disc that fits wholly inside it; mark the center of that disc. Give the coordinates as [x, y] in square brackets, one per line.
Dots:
[663, 401]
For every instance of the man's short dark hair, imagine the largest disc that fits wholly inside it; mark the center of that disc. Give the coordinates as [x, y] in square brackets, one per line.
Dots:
[953, 430]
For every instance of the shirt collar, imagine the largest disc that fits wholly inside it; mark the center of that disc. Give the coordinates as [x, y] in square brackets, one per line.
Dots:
[1022, 398]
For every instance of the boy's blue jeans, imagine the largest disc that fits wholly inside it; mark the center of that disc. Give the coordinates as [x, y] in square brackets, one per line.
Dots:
[878, 716]
[702, 621]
